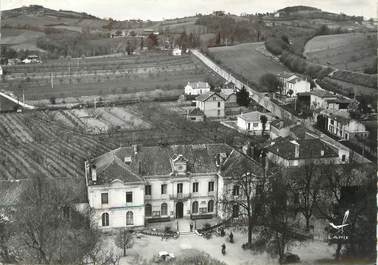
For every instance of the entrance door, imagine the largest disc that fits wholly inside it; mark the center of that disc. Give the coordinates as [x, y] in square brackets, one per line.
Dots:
[179, 210]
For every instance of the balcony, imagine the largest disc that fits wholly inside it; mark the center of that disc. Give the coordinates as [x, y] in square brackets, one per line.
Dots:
[180, 196]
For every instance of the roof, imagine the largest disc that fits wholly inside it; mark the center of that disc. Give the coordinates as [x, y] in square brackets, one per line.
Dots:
[308, 148]
[294, 80]
[255, 116]
[199, 85]
[279, 124]
[196, 112]
[206, 96]
[155, 160]
[285, 75]
[238, 164]
[322, 93]
[301, 132]
[340, 100]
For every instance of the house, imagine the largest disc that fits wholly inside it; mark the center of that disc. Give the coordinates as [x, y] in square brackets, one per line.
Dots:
[288, 152]
[1, 70]
[280, 128]
[197, 88]
[339, 124]
[293, 84]
[230, 96]
[250, 122]
[212, 104]
[136, 185]
[319, 99]
[195, 115]
[176, 52]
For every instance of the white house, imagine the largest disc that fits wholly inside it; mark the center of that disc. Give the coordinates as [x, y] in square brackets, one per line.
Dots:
[319, 98]
[176, 52]
[1, 70]
[293, 84]
[341, 125]
[212, 104]
[250, 122]
[197, 88]
[132, 186]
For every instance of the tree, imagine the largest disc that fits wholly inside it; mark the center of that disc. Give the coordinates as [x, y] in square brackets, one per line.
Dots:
[270, 81]
[350, 187]
[152, 41]
[242, 97]
[48, 229]
[124, 240]
[263, 120]
[247, 193]
[305, 184]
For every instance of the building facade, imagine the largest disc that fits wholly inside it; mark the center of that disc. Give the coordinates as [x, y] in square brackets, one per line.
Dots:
[293, 84]
[212, 104]
[132, 186]
[250, 122]
[197, 88]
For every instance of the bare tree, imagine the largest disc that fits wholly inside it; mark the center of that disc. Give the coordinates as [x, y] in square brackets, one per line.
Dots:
[124, 240]
[48, 228]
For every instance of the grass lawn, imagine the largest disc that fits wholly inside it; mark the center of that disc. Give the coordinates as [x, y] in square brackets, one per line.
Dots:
[247, 61]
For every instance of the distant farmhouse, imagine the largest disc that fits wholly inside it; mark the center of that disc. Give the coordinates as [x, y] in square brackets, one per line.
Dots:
[133, 186]
[292, 84]
[197, 88]
[212, 104]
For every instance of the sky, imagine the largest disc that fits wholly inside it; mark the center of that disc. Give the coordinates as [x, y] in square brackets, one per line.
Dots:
[164, 9]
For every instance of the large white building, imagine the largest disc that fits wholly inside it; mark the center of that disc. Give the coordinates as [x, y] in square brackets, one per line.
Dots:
[130, 186]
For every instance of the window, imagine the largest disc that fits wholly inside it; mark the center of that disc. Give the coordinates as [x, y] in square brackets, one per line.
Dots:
[129, 218]
[219, 105]
[195, 187]
[129, 196]
[249, 126]
[210, 206]
[235, 190]
[147, 190]
[164, 209]
[343, 158]
[163, 188]
[104, 198]
[211, 186]
[195, 207]
[148, 210]
[255, 124]
[179, 188]
[105, 219]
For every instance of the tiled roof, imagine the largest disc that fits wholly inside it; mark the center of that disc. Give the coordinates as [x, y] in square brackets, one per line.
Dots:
[156, 160]
[255, 116]
[199, 85]
[205, 96]
[300, 131]
[308, 148]
[279, 124]
[196, 112]
[322, 93]
[238, 164]
[285, 75]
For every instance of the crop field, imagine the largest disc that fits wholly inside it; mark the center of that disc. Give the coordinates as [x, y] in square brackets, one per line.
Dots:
[351, 51]
[119, 75]
[246, 60]
[21, 39]
[47, 142]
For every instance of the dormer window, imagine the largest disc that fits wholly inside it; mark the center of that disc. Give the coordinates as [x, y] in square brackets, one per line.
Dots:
[179, 164]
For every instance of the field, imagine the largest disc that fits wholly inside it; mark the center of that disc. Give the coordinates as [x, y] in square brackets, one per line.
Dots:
[56, 143]
[21, 39]
[246, 60]
[104, 76]
[351, 51]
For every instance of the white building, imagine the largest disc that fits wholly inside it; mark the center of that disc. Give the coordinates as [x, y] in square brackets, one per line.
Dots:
[293, 84]
[197, 88]
[131, 186]
[176, 52]
[341, 125]
[212, 104]
[250, 122]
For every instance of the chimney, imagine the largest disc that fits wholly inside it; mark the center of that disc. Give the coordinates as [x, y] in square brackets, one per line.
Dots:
[94, 173]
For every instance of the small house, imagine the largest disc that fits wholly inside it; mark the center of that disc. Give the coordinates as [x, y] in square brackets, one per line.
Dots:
[293, 84]
[251, 122]
[177, 52]
[212, 104]
[197, 88]
[195, 115]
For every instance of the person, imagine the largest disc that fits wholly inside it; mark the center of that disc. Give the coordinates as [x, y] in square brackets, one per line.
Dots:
[222, 233]
[191, 227]
[231, 237]
[223, 249]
